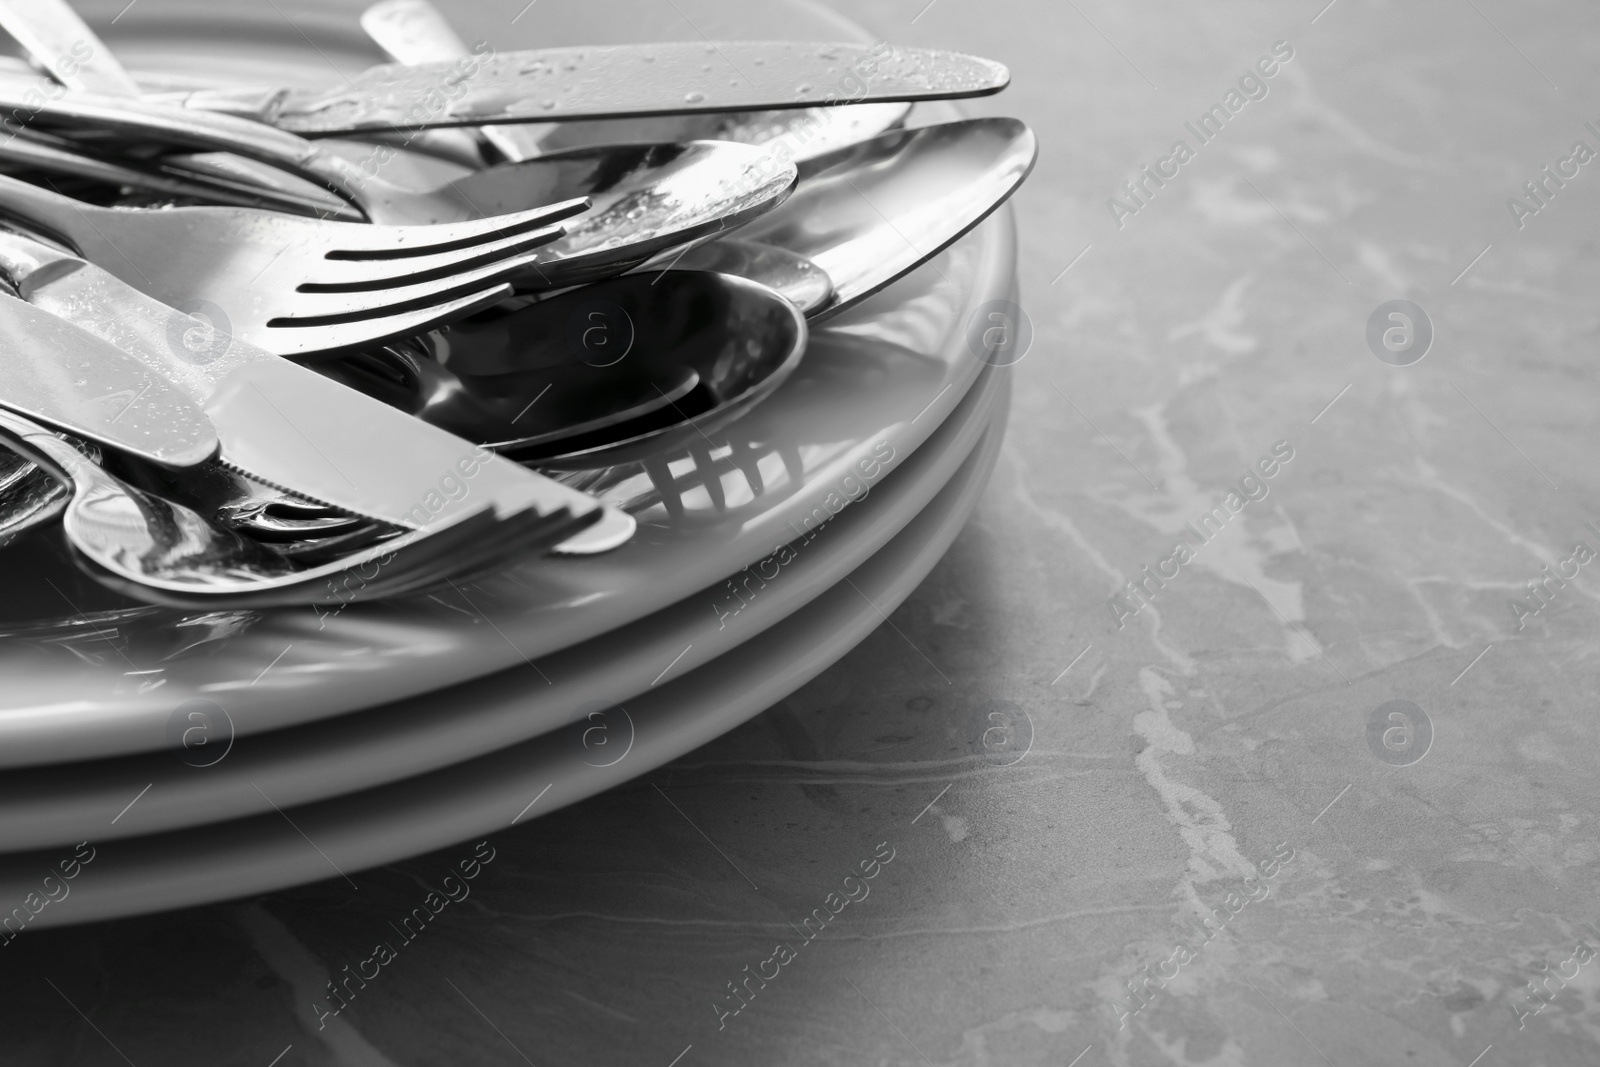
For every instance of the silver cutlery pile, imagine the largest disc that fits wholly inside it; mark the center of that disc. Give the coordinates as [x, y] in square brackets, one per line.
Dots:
[264, 345]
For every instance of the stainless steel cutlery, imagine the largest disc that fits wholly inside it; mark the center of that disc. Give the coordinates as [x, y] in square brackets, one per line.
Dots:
[610, 81]
[153, 322]
[53, 372]
[416, 32]
[276, 422]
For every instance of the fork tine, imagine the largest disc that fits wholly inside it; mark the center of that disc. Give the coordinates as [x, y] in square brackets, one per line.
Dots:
[400, 563]
[352, 276]
[359, 241]
[324, 309]
[477, 552]
[468, 548]
[363, 332]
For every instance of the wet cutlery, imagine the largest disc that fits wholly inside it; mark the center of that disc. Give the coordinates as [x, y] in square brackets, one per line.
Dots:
[871, 213]
[65, 47]
[414, 32]
[287, 425]
[649, 197]
[57, 374]
[296, 285]
[609, 81]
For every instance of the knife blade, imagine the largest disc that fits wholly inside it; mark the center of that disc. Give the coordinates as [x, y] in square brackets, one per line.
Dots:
[56, 374]
[611, 81]
[290, 427]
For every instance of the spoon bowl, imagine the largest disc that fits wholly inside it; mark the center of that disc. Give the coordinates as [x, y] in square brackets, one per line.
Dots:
[610, 373]
[873, 212]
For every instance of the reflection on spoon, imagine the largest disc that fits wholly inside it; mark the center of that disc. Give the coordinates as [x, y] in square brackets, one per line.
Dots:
[613, 371]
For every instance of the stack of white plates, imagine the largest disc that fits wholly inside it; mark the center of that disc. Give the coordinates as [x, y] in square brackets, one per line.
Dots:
[208, 756]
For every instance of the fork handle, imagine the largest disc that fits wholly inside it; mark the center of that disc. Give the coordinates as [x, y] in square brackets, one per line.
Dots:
[42, 210]
[22, 101]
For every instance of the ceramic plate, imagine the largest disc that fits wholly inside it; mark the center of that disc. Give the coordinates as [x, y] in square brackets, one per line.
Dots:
[212, 780]
[92, 675]
[493, 793]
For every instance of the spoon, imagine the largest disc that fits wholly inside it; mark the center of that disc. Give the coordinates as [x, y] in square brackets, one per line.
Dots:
[147, 547]
[873, 212]
[626, 368]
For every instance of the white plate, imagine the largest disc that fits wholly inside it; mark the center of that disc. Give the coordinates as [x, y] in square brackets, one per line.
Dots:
[66, 804]
[486, 795]
[90, 676]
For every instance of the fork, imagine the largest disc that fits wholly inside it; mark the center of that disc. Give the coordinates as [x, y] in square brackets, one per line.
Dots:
[296, 285]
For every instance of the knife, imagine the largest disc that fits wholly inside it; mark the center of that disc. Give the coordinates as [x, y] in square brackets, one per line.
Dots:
[610, 81]
[290, 427]
[54, 373]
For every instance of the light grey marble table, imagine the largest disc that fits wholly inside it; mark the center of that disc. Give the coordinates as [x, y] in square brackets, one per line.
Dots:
[1220, 846]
